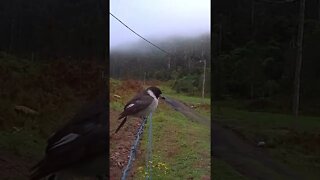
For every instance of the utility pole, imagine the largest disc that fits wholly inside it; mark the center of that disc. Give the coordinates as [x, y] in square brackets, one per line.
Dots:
[219, 38]
[204, 75]
[296, 94]
[204, 79]
[318, 10]
[252, 14]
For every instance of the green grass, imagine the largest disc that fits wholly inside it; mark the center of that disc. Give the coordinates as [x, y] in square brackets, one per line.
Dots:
[223, 171]
[292, 140]
[203, 105]
[22, 143]
[167, 91]
[263, 120]
[184, 146]
[118, 106]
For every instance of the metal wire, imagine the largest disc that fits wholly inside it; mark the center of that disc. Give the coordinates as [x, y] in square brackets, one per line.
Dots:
[140, 35]
[133, 150]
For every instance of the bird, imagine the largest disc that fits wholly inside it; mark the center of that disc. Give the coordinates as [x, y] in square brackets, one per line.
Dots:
[141, 105]
[79, 148]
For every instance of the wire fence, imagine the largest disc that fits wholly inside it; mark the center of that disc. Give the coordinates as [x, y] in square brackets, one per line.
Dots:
[134, 148]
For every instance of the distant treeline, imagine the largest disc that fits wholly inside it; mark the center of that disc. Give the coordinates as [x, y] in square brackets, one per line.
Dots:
[183, 67]
[52, 29]
[254, 51]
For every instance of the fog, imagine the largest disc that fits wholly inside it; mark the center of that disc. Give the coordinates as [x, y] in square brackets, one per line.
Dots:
[157, 19]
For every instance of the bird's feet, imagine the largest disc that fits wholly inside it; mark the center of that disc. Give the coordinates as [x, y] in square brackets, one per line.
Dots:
[143, 118]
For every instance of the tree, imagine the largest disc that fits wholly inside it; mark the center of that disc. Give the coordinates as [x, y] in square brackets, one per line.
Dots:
[296, 94]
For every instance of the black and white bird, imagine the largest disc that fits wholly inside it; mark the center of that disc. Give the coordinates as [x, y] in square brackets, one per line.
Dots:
[79, 149]
[141, 105]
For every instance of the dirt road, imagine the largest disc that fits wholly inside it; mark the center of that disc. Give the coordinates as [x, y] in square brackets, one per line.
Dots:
[250, 161]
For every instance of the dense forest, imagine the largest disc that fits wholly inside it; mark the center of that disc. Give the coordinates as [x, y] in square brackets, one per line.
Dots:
[50, 51]
[53, 29]
[182, 67]
[52, 55]
[254, 50]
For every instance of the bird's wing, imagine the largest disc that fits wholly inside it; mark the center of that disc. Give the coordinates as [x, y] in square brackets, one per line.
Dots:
[135, 105]
[80, 140]
[86, 119]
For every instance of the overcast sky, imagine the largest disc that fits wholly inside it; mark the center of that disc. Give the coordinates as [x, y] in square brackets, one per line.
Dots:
[155, 19]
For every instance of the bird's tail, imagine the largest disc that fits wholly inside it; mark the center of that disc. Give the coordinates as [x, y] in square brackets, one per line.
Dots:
[122, 123]
[35, 173]
[39, 171]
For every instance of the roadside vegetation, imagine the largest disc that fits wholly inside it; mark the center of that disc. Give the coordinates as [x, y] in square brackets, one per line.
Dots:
[292, 140]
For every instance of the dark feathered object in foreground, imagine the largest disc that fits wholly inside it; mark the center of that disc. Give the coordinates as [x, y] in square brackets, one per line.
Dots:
[80, 148]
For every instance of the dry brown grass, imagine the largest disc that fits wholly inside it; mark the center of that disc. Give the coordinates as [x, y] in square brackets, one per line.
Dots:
[131, 85]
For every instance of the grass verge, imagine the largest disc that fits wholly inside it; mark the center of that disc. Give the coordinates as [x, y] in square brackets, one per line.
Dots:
[292, 140]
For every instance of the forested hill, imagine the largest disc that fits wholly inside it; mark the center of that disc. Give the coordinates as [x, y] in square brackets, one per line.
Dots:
[46, 29]
[255, 51]
[141, 61]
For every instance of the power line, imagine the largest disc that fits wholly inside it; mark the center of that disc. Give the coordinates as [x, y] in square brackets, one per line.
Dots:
[140, 35]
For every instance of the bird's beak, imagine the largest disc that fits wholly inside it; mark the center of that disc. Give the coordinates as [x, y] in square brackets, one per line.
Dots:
[162, 97]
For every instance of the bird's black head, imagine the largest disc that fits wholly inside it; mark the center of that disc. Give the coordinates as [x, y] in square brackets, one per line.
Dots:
[156, 91]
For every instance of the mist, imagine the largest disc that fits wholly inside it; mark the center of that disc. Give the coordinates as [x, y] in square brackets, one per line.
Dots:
[157, 20]
[169, 44]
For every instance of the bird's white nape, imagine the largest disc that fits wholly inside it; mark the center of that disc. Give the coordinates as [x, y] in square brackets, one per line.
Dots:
[151, 94]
